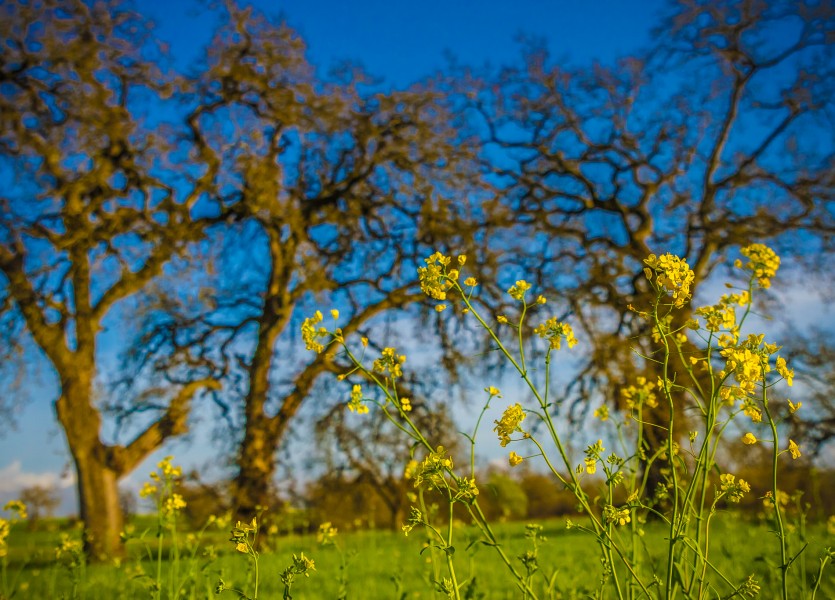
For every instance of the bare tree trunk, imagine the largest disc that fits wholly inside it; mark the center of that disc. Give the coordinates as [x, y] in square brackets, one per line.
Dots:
[101, 512]
[97, 480]
[253, 487]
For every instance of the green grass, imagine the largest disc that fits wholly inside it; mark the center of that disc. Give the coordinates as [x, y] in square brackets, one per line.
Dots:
[381, 562]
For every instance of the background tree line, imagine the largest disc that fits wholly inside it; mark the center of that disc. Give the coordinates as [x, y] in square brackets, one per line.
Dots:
[202, 214]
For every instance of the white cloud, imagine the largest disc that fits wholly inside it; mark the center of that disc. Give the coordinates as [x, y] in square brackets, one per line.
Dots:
[13, 478]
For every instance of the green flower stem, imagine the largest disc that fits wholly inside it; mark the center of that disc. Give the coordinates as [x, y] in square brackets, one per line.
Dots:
[825, 559]
[778, 514]
[609, 530]
[675, 517]
[448, 552]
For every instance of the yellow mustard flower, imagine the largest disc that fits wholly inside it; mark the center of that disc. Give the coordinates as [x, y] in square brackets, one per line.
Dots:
[470, 282]
[406, 404]
[390, 361]
[639, 394]
[433, 281]
[794, 450]
[793, 408]
[517, 291]
[326, 534]
[16, 506]
[440, 308]
[514, 459]
[493, 391]
[785, 372]
[173, 504]
[763, 263]
[5, 528]
[602, 413]
[148, 489]
[672, 274]
[618, 516]
[749, 439]
[555, 331]
[510, 423]
[733, 490]
[311, 333]
[355, 404]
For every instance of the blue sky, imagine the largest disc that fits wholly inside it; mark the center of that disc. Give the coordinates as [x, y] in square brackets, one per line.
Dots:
[402, 41]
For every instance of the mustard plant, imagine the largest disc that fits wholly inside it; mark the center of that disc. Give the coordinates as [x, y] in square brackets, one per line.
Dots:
[244, 537]
[169, 504]
[723, 379]
[327, 536]
[16, 511]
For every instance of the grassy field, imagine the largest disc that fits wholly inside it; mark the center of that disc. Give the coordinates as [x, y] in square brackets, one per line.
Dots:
[383, 564]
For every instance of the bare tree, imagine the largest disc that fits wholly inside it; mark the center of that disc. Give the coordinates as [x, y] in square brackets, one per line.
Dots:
[87, 218]
[718, 137]
[335, 191]
[41, 501]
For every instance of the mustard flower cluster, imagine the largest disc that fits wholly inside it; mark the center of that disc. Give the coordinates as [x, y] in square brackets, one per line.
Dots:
[517, 291]
[415, 519]
[593, 453]
[467, 489]
[602, 412]
[432, 470]
[356, 404]
[723, 315]
[749, 363]
[763, 263]
[12, 506]
[69, 550]
[672, 274]
[390, 362]
[5, 528]
[326, 534]
[243, 536]
[514, 459]
[733, 490]
[617, 516]
[642, 394]
[435, 282]
[509, 423]
[555, 331]
[785, 373]
[301, 565]
[161, 487]
[311, 334]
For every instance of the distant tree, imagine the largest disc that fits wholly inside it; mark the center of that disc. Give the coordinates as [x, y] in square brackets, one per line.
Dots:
[335, 192]
[88, 216]
[719, 136]
[41, 501]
